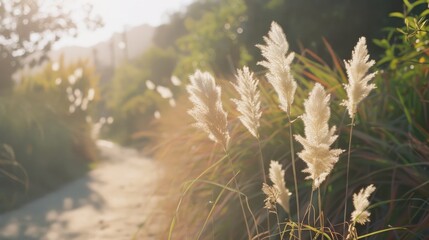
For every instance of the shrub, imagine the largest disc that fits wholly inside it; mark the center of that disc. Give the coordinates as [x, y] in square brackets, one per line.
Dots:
[49, 134]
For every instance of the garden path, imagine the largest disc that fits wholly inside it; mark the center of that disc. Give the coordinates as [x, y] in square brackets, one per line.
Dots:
[113, 201]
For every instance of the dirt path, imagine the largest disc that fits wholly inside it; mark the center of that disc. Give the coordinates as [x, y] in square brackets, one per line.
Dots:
[111, 202]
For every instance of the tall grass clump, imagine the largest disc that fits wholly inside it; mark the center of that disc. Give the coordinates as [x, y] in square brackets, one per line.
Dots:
[221, 195]
[357, 89]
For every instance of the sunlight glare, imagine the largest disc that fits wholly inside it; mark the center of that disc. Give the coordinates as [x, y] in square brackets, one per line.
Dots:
[119, 15]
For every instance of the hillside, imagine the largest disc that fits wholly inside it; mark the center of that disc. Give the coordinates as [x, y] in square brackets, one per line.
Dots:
[125, 45]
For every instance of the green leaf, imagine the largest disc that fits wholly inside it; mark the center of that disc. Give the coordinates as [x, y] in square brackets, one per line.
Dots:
[406, 111]
[401, 31]
[396, 14]
[381, 231]
[416, 3]
[383, 43]
[408, 4]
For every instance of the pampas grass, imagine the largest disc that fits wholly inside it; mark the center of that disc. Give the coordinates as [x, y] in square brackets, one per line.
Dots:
[360, 214]
[357, 71]
[277, 176]
[357, 89]
[278, 62]
[361, 203]
[318, 156]
[208, 111]
[249, 104]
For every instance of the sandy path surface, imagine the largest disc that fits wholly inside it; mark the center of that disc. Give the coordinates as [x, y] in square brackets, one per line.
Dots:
[114, 201]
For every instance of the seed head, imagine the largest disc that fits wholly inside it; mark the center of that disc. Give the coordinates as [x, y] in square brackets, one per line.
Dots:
[357, 69]
[318, 156]
[277, 176]
[361, 203]
[249, 104]
[208, 111]
[277, 61]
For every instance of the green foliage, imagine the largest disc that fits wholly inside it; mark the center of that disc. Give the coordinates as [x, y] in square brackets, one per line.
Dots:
[52, 144]
[131, 103]
[213, 39]
[407, 46]
[220, 35]
[30, 28]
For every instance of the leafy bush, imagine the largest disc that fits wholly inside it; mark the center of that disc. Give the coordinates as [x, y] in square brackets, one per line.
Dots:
[48, 132]
[132, 103]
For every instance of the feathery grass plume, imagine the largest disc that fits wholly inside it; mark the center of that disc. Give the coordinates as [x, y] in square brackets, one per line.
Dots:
[208, 111]
[272, 194]
[278, 65]
[318, 137]
[357, 69]
[361, 203]
[249, 104]
[277, 176]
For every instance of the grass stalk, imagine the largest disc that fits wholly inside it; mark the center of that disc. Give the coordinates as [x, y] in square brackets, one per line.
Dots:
[347, 174]
[308, 210]
[278, 223]
[261, 158]
[319, 199]
[292, 153]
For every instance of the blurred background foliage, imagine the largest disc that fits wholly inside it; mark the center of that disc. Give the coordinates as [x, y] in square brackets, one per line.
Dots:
[30, 28]
[46, 122]
[45, 130]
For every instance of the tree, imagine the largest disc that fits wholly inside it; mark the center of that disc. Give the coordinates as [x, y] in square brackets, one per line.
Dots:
[213, 42]
[28, 30]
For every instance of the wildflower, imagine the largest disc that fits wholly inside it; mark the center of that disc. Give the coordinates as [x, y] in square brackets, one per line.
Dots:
[318, 137]
[277, 177]
[361, 203]
[249, 104]
[278, 64]
[272, 194]
[357, 69]
[208, 110]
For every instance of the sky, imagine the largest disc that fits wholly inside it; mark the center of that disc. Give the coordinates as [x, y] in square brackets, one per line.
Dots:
[121, 14]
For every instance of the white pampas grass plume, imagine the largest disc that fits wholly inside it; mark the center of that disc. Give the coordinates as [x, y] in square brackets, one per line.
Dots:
[357, 69]
[208, 111]
[272, 194]
[361, 203]
[278, 64]
[277, 176]
[249, 104]
[318, 156]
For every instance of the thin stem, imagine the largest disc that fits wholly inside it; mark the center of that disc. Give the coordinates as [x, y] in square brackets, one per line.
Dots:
[278, 223]
[310, 204]
[292, 153]
[320, 211]
[261, 158]
[347, 174]
[241, 201]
